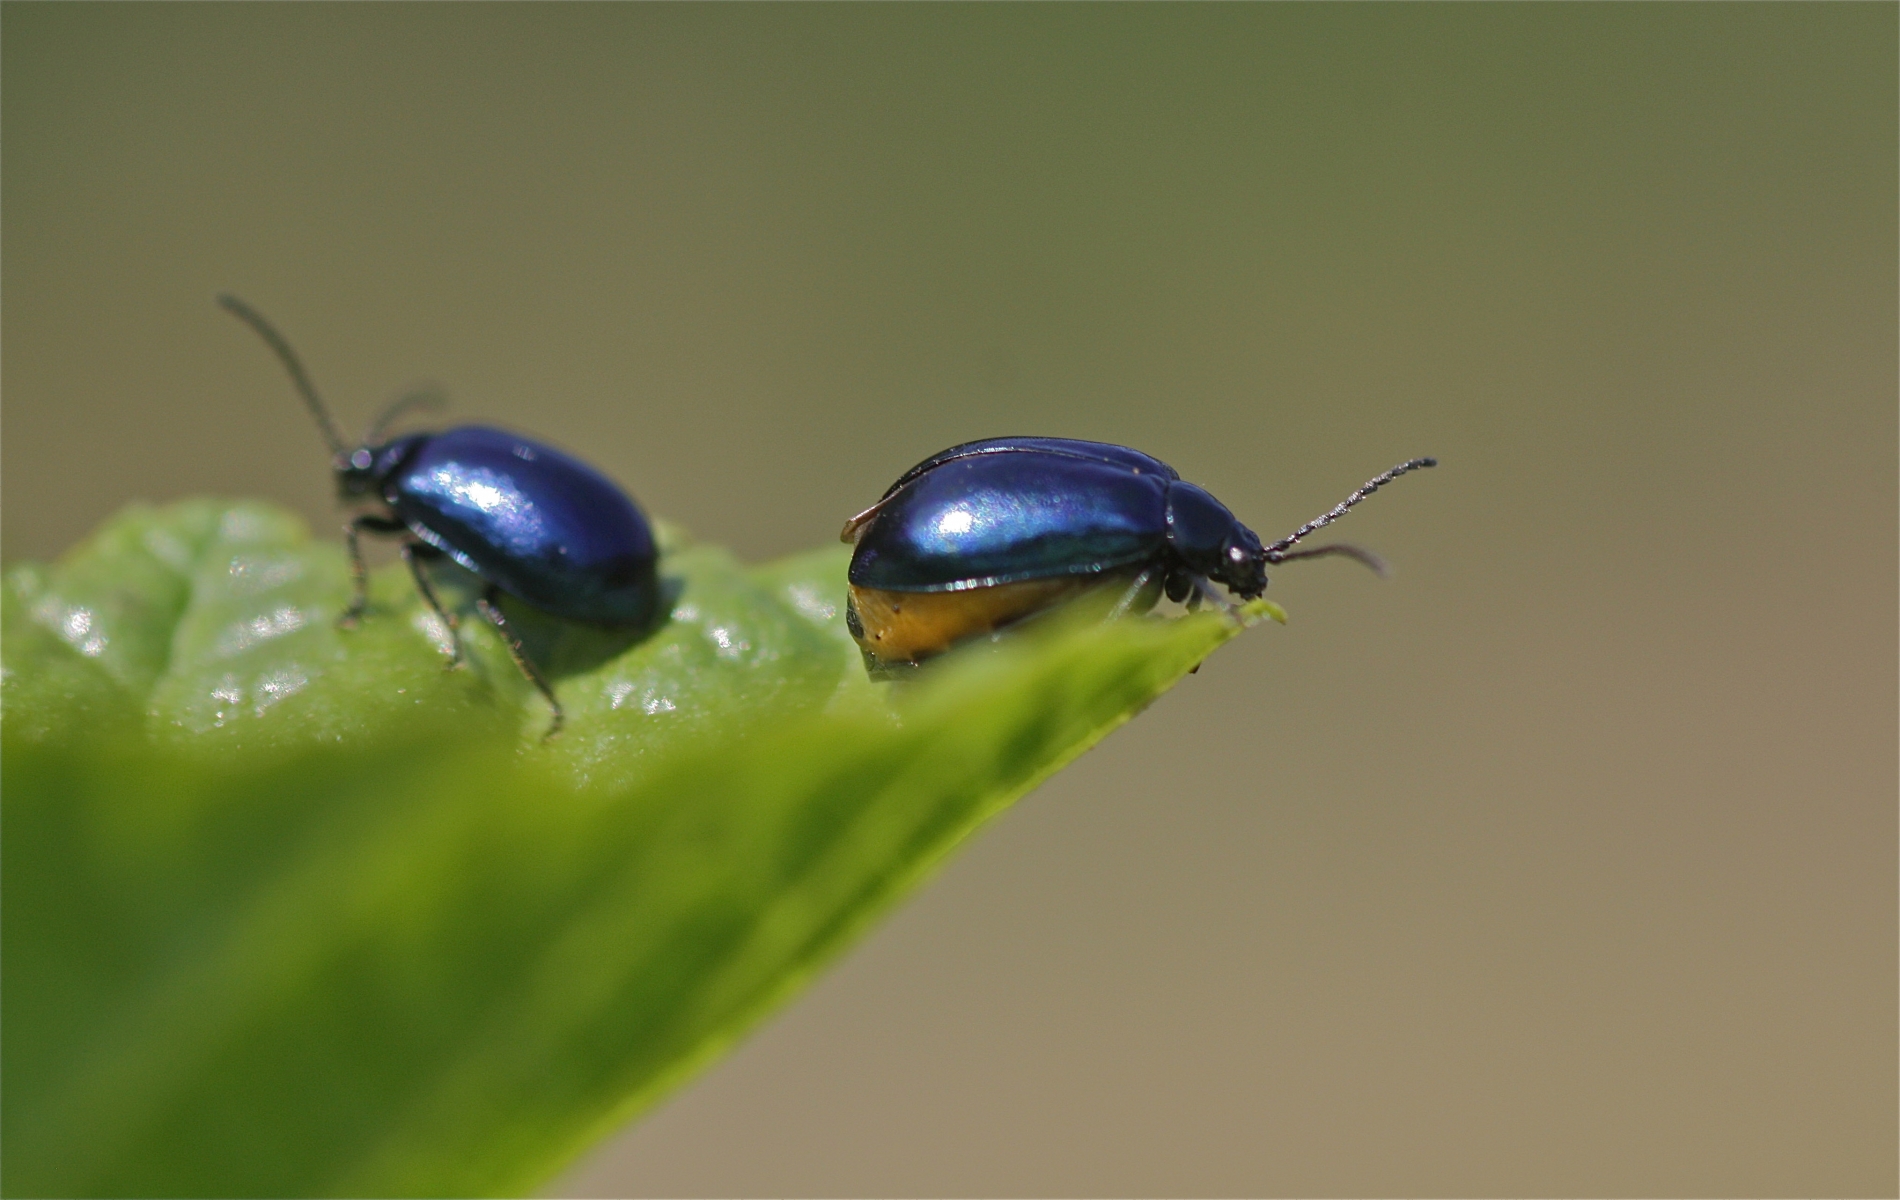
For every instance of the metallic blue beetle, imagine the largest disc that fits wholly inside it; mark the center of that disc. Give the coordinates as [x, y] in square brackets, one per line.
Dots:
[989, 532]
[528, 520]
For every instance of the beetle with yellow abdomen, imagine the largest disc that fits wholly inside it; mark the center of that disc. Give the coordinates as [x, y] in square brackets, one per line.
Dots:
[987, 533]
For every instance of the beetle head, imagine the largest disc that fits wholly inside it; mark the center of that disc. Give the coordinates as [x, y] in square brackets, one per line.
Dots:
[363, 471]
[355, 473]
[1243, 563]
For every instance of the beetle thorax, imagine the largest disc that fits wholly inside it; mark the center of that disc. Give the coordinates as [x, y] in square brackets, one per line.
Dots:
[1208, 541]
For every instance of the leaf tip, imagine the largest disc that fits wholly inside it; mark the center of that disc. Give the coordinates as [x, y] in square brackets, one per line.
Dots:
[1253, 610]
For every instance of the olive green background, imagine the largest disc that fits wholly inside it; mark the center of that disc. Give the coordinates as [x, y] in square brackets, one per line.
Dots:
[1564, 862]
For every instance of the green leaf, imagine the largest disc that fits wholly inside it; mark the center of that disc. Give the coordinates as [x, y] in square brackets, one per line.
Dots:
[293, 911]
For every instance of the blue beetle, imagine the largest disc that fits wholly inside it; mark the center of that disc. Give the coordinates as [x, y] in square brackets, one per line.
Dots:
[988, 532]
[529, 520]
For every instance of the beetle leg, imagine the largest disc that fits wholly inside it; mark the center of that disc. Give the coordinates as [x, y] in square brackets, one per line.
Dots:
[359, 570]
[1133, 594]
[492, 611]
[413, 553]
[1207, 589]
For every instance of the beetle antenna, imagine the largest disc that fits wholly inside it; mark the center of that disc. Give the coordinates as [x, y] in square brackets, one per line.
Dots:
[1278, 551]
[428, 396]
[288, 357]
[1358, 554]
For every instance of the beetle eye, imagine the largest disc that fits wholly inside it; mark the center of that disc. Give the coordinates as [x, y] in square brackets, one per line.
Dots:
[361, 459]
[1236, 554]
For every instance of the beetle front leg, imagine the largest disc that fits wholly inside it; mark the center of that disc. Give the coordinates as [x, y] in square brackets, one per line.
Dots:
[413, 553]
[359, 570]
[1207, 589]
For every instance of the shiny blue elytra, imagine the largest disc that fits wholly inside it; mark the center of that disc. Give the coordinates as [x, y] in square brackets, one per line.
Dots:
[537, 523]
[1011, 525]
[530, 521]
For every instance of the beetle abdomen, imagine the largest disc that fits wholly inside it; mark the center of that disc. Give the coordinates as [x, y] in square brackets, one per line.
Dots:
[979, 521]
[535, 522]
[911, 626]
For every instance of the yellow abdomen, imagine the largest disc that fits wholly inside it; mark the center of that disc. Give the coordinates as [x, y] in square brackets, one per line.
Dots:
[911, 626]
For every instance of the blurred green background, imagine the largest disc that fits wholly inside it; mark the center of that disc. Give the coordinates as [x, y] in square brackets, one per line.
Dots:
[1565, 862]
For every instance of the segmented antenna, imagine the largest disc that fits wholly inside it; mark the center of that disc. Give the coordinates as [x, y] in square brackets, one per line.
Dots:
[429, 397]
[1277, 552]
[288, 357]
[1358, 554]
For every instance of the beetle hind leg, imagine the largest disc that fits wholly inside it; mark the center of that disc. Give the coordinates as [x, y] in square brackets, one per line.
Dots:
[490, 608]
